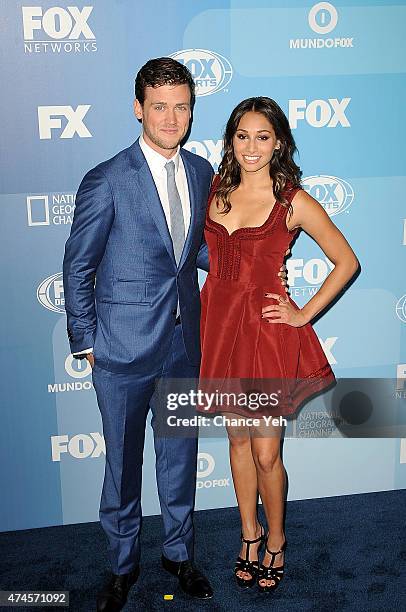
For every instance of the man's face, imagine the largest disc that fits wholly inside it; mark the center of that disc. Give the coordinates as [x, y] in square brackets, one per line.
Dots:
[165, 116]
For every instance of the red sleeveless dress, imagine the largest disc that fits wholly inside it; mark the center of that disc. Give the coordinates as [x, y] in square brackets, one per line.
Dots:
[237, 343]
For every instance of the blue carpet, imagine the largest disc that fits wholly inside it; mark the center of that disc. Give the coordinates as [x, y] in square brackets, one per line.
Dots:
[344, 554]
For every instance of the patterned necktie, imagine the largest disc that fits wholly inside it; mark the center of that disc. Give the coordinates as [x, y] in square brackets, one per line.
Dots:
[176, 213]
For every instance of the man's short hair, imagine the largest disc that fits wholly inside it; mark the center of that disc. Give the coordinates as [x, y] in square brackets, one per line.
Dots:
[163, 71]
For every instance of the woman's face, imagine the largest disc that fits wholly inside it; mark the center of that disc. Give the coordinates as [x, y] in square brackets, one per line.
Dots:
[254, 142]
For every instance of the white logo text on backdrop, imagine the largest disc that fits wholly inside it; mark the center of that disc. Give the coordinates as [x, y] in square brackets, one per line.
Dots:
[212, 150]
[313, 272]
[77, 369]
[211, 71]
[50, 209]
[50, 293]
[80, 446]
[334, 194]
[322, 19]
[319, 113]
[57, 30]
[205, 467]
[49, 118]
[401, 308]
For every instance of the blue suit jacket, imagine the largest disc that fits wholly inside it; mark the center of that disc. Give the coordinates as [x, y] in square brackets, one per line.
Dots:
[121, 281]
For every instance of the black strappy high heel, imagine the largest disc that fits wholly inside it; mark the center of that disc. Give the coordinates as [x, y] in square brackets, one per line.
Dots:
[245, 565]
[270, 572]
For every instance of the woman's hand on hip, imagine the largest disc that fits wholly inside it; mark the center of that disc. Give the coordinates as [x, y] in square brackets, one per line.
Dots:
[283, 312]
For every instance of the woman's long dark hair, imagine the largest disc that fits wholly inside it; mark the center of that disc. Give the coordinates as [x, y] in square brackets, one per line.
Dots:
[282, 169]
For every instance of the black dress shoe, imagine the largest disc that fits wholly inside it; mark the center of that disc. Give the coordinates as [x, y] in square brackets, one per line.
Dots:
[191, 580]
[113, 597]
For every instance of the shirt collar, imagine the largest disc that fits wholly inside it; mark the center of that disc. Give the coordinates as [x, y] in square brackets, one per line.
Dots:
[155, 160]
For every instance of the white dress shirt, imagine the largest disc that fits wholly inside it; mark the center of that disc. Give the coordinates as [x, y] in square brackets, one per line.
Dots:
[156, 163]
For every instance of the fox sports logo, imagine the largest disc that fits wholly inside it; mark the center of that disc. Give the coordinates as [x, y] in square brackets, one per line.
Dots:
[334, 194]
[211, 71]
[50, 293]
[401, 308]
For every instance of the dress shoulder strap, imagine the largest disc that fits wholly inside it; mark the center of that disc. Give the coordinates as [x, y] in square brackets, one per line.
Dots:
[290, 191]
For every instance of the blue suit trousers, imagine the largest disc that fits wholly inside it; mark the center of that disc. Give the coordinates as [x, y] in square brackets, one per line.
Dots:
[124, 400]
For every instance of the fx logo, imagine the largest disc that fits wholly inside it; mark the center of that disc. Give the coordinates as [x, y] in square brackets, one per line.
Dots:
[57, 23]
[49, 118]
[319, 113]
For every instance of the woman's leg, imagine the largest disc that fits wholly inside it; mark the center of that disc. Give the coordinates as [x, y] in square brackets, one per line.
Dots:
[246, 489]
[271, 477]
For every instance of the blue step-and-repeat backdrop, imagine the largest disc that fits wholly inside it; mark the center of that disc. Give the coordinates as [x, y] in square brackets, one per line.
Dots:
[67, 90]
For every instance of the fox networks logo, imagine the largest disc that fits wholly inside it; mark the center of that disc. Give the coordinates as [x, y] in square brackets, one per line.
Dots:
[322, 19]
[212, 150]
[319, 113]
[211, 71]
[334, 194]
[78, 369]
[400, 309]
[80, 446]
[58, 30]
[50, 293]
[50, 118]
[305, 277]
[51, 209]
[205, 467]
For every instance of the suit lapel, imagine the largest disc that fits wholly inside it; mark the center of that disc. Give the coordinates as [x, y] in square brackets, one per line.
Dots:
[147, 185]
[151, 197]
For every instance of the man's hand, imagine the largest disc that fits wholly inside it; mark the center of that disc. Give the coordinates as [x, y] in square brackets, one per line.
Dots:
[90, 358]
[283, 274]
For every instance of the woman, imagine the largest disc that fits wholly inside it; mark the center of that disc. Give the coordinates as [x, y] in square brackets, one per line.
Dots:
[251, 332]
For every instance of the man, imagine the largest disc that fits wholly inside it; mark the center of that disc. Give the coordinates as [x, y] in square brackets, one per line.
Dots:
[138, 223]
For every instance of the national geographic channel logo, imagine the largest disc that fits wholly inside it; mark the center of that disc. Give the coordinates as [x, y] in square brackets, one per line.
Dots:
[205, 467]
[58, 30]
[334, 194]
[211, 71]
[322, 19]
[50, 209]
[50, 293]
